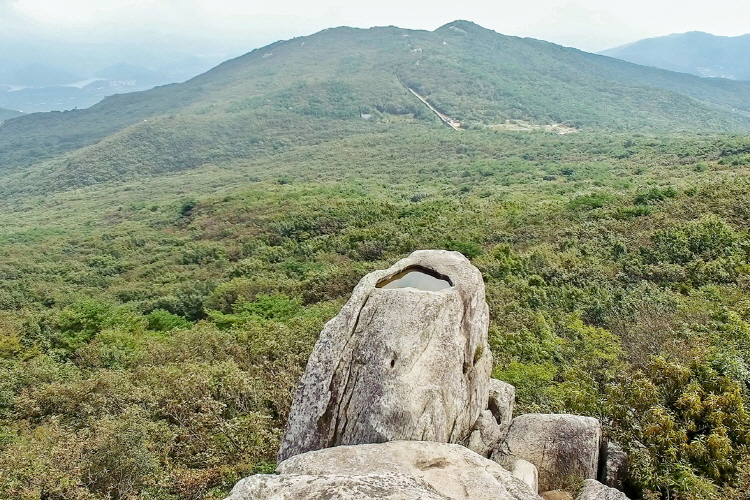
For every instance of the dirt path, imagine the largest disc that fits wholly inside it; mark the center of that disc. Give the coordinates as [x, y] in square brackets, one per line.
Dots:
[454, 124]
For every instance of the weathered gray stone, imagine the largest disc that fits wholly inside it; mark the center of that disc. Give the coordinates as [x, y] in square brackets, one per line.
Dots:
[594, 490]
[501, 401]
[333, 487]
[564, 448]
[526, 472]
[397, 364]
[486, 435]
[613, 465]
[452, 470]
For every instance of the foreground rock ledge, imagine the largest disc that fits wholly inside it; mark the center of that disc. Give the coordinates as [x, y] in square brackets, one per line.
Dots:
[400, 470]
[397, 364]
[333, 487]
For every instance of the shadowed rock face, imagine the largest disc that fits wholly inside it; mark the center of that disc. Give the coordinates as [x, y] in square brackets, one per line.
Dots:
[613, 464]
[397, 364]
[501, 402]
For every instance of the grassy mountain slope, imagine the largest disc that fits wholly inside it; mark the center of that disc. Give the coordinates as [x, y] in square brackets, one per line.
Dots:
[152, 332]
[313, 89]
[694, 52]
[527, 78]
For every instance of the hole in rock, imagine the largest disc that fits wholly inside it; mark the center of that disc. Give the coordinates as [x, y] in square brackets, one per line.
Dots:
[420, 278]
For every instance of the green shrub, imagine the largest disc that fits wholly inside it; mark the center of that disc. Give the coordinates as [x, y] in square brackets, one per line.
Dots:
[655, 194]
[533, 382]
[264, 307]
[160, 320]
[686, 426]
[590, 201]
[706, 239]
[468, 248]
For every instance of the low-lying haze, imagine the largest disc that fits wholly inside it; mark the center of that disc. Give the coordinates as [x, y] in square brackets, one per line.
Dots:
[236, 26]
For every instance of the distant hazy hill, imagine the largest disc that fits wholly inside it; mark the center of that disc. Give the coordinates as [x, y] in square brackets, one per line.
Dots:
[130, 72]
[695, 52]
[7, 113]
[36, 75]
[311, 89]
[40, 88]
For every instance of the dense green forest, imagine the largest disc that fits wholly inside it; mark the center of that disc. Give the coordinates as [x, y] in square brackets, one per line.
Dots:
[168, 258]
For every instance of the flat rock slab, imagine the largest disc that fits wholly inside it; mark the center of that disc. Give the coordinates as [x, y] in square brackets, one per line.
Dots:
[397, 364]
[333, 487]
[451, 470]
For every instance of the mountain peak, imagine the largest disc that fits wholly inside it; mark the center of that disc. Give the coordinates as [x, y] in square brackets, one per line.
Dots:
[466, 26]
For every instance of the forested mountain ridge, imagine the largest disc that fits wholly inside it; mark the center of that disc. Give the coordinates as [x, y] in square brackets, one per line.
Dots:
[319, 86]
[695, 52]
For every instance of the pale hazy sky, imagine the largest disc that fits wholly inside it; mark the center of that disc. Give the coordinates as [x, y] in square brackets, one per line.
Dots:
[239, 26]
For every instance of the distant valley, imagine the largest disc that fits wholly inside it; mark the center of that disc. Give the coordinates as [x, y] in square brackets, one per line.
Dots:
[40, 78]
[64, 97]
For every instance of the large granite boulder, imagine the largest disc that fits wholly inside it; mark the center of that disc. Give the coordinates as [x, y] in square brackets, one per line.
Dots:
[594, 490]
[397, 363]
[451, 470]
[564, 448]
